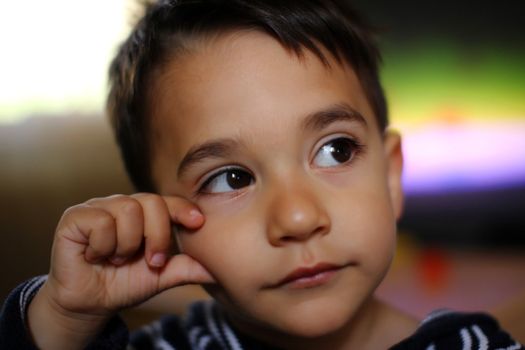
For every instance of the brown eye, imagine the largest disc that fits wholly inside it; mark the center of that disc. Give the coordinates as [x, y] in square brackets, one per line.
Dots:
[228, 180]
[237, 179]
[335, 152]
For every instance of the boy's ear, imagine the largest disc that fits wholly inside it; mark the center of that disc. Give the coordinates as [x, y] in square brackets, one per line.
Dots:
[394, 163]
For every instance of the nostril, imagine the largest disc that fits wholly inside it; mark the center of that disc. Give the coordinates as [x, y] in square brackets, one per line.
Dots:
[294, 237]
[320, 230]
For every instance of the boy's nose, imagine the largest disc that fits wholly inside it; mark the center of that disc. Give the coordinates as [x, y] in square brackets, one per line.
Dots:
[295, 214]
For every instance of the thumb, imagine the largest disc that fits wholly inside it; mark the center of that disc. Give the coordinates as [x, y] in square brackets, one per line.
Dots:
[182, 269]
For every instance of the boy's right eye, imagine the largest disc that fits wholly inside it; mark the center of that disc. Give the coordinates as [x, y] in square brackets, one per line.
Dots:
[227, 180]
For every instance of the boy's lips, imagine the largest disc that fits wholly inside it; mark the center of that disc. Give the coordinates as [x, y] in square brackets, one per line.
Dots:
[308, 277]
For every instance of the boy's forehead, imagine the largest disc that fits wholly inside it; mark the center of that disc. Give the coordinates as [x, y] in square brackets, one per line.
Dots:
[233, 82]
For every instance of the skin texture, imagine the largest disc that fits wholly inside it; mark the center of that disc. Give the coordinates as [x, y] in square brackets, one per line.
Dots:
[320, 185]
[246, 93]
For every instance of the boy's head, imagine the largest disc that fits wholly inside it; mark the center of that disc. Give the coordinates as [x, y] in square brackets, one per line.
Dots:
[270, 117]
[171, 28]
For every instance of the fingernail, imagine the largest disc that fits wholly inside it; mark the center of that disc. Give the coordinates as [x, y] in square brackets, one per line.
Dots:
[117, 260]
[194, 213]
[158, 260]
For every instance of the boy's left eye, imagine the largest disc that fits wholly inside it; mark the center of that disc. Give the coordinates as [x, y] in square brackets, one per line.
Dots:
[227, 180]
[336, 152]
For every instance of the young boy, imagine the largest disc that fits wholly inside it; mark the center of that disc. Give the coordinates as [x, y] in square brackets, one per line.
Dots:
[261, 126]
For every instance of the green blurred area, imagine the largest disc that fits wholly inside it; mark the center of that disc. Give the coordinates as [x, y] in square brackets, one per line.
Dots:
[444, 81]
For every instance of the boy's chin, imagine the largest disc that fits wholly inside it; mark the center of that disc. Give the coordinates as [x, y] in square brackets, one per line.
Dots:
[302, 318]
[315, 324]
[294, 325]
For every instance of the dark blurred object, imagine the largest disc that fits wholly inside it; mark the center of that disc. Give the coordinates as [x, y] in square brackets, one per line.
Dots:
[472, 23]
[491, 218]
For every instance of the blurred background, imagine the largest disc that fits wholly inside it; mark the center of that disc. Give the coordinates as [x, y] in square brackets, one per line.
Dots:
[454, 74]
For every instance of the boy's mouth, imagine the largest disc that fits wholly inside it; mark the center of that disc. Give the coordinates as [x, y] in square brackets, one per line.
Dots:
[309, 277]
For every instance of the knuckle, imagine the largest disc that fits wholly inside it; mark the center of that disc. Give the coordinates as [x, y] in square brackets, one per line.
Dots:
[71, 215]
[93, 201]
[104, 222]
[117, 197]
[151, 200]
[130, 206]
[75, 209]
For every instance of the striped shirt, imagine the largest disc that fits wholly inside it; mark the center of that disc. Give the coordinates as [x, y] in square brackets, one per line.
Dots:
[206, 328]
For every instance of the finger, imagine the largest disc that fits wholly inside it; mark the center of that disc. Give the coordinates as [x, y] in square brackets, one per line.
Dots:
[182, 269]
[101, 236]
[183, 212]
[87, 231]
[157, 228]
[129, 219]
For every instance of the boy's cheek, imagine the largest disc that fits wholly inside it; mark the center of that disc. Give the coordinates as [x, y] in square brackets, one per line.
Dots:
[225, 246]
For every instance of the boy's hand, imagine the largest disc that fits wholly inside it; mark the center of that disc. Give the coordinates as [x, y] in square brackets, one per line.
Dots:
[108, 254]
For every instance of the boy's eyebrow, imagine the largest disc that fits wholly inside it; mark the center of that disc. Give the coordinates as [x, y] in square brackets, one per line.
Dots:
[219, 148]
[339, 112]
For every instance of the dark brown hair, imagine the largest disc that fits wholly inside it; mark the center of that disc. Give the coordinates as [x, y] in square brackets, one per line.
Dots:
[167, 26]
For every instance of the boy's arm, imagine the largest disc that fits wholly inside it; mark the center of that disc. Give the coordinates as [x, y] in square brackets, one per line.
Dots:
[15, 333]
[60, 329]
[13, 329]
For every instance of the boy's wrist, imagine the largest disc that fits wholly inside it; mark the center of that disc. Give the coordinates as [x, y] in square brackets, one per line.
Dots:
[53, 327]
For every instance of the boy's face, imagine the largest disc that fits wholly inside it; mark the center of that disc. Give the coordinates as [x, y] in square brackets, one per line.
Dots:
[284, 158]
